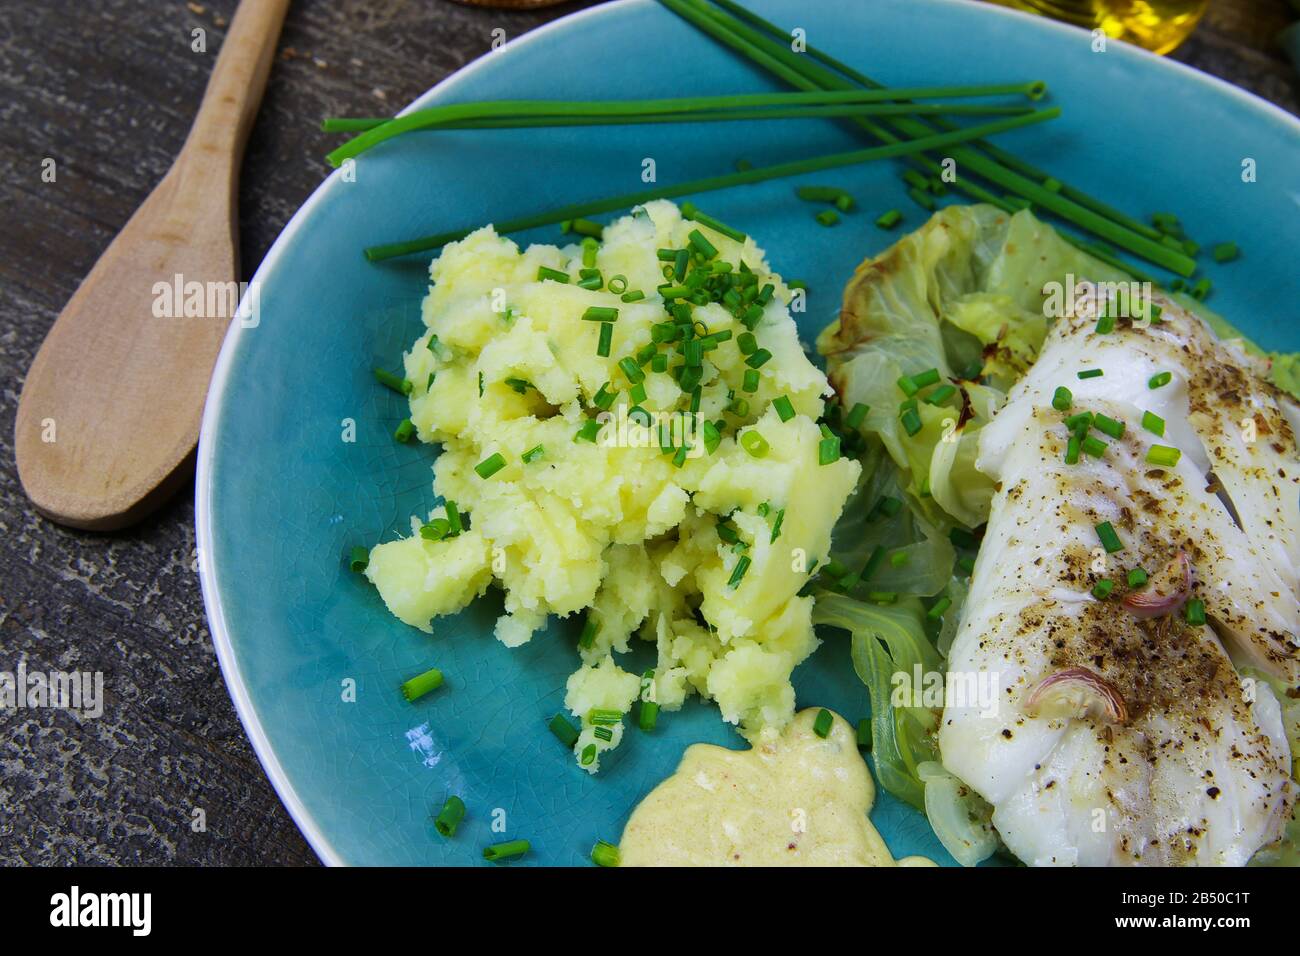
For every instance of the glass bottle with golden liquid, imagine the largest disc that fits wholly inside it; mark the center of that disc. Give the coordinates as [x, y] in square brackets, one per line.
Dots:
[1157, 25]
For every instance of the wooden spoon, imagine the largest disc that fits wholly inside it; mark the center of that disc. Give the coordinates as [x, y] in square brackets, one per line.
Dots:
[109, 413]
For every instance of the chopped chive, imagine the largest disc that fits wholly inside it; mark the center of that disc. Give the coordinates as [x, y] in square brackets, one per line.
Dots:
[747, 343]
[1101, 590]
[647, 715]
[1153, 423]
[1201, 291]
[923, 379]
[589, 631]
[822, 723]
[533, 454]
[784, 408]
[1081, 420]
[967, 564]
[1225, 252]
[606, 339]
[681, 260]
[750, 381]
[632, 369]
[453, 518]
[1091, 373]
[829, 194]
[738, 574]
[922, 198]
[588, 432]
[940, 606]
[712, 437]
[1137, 577]
[828, 451]
[701, 244]
[604, 854]
[890, 219]
[898, 559]
[759, 358]
[1109, 537]
[555, 275]
[604, 397]
[636, 295]
[588, 755]
[585, 227]
[1108, 426]
[1072, 450]
[449, 817]
[603, 733]
[358, 559]
[1160, 379]
[398, 384]
[911, 421]
[776, 526]
[1062, 398]
[1196, 612]
[1094, 446]
[435, 530]
[505, 851]
[755, 444]
[421, 684]
[941, 394]
[907, 386]
[1105, 325]
[600, 313]
[1163, 455]
[600, 715]
[490, 465]
[405, 431]
[882, 597]
[874, 561]
[827, 217]
[856, 416]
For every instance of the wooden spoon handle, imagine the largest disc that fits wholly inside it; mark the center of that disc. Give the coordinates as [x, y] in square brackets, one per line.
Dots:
[238, 79]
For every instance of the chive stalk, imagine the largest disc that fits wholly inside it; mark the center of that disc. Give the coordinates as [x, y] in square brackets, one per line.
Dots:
[801, 71]
[758, 174]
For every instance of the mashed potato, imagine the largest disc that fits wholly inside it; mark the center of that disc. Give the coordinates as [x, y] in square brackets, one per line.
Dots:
[696, 533]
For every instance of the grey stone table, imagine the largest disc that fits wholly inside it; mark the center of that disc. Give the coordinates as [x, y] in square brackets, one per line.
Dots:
[107, 88]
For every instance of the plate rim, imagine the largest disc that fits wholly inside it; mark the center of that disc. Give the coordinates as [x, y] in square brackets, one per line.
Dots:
[218, 628]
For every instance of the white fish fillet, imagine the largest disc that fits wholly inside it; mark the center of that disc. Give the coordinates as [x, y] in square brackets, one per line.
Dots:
[1194, 769]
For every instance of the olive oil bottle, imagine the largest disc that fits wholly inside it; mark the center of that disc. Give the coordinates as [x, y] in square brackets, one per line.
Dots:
[1157, 25]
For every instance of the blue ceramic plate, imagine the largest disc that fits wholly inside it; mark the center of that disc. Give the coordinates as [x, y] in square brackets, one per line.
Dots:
[281, 497]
